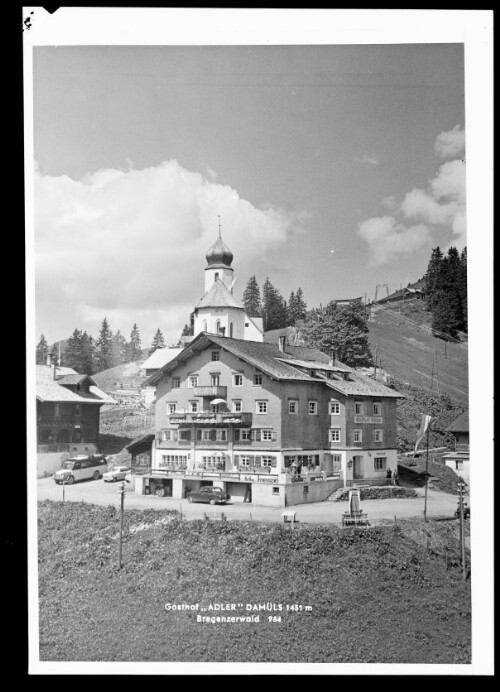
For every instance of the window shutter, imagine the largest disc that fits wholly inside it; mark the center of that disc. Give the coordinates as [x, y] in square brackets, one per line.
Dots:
[188, 434]
[237, 435]
[274, 436]
[257, 435]
[258, 460]
[274, 461]
[176, 435]
[236, 459]
[212, 435]
[198, 434]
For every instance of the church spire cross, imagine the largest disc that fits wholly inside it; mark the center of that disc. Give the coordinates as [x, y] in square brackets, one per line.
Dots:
[219, 226]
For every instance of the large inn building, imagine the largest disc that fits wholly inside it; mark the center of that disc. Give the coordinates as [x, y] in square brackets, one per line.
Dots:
[270, 423]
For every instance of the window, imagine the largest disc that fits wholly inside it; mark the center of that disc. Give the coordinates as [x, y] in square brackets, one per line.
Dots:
[378, 435]
[257, 379]
[358, 408]
[237, 405]
[337, 462]
[261, 407]
[176, 382]
[78, 410]
[335, 435]
[193, 381]
[313, 408]
[357, 435]
[276, 491]
[245, 434]
[222, 435]
[377, 406]
[238, 380]
[165, 435]
[293, 406]
[170, 408]
[245, 460]
[193, 406]
[267, 435]
[57, 410]
[214, 379]
[215, 355]
[208, 434]
[334, 408]
[268, 461]
[184, 435]
[216, 278]
[379, 463]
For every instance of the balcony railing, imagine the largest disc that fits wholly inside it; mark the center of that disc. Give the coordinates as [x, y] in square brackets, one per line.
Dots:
[212, 390]
[209, 418]
[67, 419]
[461, 447]
[46, 449]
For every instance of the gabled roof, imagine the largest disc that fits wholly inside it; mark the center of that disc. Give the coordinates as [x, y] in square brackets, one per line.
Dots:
[460, 424]
[142, 441]
[283, 365]
[160, 357]
[49, 389]
[73, 379]
[219, 296]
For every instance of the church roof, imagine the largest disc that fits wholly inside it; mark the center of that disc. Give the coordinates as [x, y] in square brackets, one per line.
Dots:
[219, 296]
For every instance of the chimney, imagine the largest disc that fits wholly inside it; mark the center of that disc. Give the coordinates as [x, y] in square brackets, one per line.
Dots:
[332, 357]
[282, 343]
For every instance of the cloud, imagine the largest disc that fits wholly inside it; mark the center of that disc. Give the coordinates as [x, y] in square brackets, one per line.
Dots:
[412, 224]
[388, 239]
[131, 244]
[450, 144]
[366, 160]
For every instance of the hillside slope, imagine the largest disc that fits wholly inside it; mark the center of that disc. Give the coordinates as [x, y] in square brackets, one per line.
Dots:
[126, 375]
[407, 350]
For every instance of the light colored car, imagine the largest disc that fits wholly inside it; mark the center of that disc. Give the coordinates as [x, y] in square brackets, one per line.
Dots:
[81, 468]
[119, 473]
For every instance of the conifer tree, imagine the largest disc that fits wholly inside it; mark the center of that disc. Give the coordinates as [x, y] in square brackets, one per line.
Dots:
[118, 349]
[158, 342]
[42, 350]
[135, 347]
[104, 353]
[274, 308]
[252, 299]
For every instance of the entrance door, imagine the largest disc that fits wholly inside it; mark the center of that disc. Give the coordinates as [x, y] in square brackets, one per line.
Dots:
[356, 471]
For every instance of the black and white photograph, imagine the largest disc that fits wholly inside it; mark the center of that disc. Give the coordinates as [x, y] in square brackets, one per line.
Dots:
[259, 318]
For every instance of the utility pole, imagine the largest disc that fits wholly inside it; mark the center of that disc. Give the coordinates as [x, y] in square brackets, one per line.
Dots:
[426, 472]
[121, 490]
[462, 528]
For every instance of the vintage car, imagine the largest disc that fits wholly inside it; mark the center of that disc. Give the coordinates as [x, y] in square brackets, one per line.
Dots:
[119, 473]
[81, 468]
[209, 494]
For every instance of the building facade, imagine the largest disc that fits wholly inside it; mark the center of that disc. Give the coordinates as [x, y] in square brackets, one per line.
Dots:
[67, 410]
[273, 424]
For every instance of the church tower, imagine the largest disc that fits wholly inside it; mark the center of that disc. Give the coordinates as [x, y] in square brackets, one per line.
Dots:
[218, 311]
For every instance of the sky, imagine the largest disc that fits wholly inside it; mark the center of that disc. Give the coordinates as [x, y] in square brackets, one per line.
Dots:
[334, 168]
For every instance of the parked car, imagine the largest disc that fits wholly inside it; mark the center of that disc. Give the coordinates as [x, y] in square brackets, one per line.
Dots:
[119, 473]
[80, 468]
[209, 494]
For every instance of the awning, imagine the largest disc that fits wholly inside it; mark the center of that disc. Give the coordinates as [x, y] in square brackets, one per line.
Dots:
[218, 401]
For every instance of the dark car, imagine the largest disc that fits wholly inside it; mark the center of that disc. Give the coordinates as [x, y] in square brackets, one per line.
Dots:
[209, 494]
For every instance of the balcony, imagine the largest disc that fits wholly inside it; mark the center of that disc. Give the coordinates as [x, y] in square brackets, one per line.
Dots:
[213, 390]
[67, 419]
[202, 418]
[461, 447]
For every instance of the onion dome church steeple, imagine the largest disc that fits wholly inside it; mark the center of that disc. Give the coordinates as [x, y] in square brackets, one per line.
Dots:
[218, 311]
[219, 255]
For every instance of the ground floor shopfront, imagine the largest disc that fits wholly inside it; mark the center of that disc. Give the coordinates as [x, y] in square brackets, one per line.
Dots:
[269, 478]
